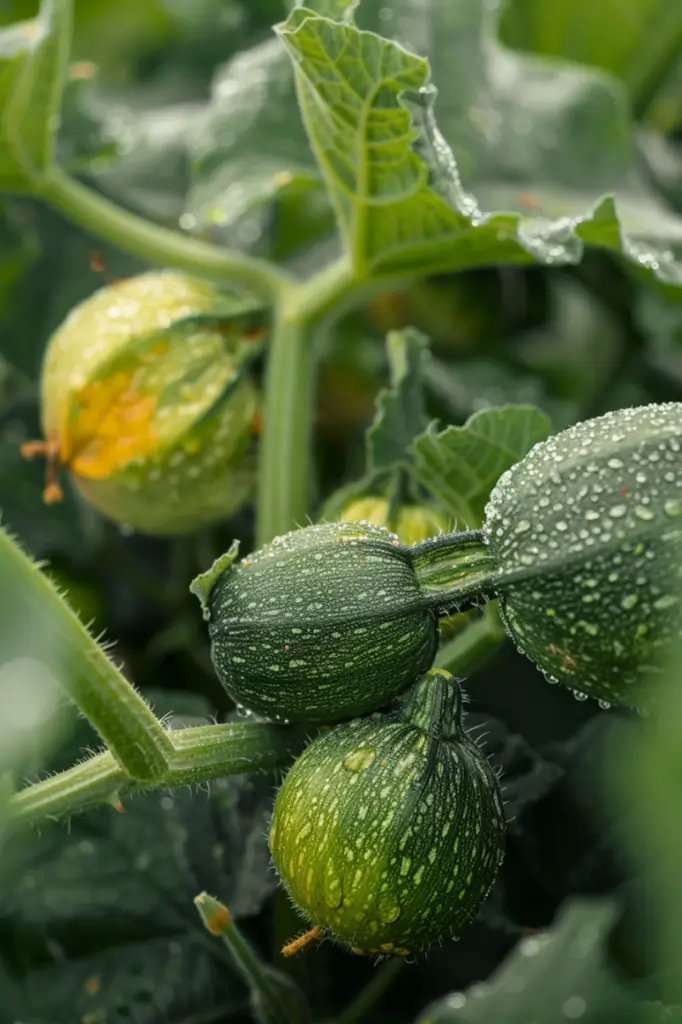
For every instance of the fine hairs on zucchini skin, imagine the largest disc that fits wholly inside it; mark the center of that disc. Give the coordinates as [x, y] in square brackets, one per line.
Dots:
[586, 537]
[389, 830]
[322, 624]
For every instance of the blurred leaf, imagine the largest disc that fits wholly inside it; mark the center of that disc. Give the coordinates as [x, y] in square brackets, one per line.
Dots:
[645, 779]
[143, 159]
[249, 146]
[115, 893]
[33, 58]
[578, 349]
[638, 40]
[401, 413]
[402, 209]
[460, 465]
[470, 385]
[143, 868]
[159, 981]
[559, 975]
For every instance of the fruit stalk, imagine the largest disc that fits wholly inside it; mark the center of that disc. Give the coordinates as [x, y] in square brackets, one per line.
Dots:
[455, 571]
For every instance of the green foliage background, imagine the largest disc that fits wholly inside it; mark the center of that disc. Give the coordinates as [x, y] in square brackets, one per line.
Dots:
[184, 111]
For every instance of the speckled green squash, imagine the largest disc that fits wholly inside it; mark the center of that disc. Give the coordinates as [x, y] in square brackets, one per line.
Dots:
[143, 403]
[389, 830]
[322, 624]
[586, 537]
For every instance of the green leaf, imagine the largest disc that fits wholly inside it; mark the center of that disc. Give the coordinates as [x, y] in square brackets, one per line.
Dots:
[460, 465]
[249, 147]
[116, 891]
[158, 981]
[638, 40]
[33, 59]
[401, 413]
[559, 975]
[541, 172]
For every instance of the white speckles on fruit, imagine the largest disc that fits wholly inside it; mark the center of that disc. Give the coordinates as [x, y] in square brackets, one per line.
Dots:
[615, 482]
[348, 649]
[418, 829]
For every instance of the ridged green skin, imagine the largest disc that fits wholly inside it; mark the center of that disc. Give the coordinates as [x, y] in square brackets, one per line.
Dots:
[389, 830]
[179, 415]
[586, 532]
[322, 624]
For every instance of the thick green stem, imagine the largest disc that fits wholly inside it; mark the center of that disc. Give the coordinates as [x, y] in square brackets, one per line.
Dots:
[285, 458]
[198, 754]
[159, 245]
[284, 468]
[29, 602]
[455, 571]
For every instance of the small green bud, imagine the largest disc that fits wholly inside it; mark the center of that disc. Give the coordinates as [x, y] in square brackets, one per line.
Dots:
[144, 404]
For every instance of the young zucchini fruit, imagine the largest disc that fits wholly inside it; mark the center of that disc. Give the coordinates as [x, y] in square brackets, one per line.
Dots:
[389, 830]
[145, 403]
[585, 536]
[322, 624]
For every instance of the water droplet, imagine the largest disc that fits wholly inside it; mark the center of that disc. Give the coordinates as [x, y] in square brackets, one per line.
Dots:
[522, 527]
[604, 704]
[579, 695]
[644, 513]
[673, 508]
[618, 511]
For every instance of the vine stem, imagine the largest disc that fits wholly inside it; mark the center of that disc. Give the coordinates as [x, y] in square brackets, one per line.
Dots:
[285, 455]
[160, 245]
[121, 716]
[198, 754]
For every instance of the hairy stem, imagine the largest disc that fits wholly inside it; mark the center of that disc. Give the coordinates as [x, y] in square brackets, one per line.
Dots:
[159, 245]
[198, 754]
[34, 617]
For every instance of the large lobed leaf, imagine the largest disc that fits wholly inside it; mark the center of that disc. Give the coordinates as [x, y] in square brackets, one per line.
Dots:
[542, 145]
